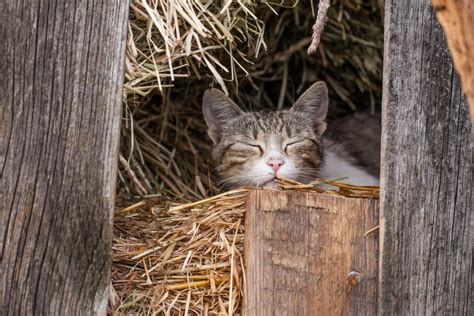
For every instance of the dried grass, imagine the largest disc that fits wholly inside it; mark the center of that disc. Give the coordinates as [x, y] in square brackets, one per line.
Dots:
[179, 260]
[262, 45]
[171, 39]
[175, 256]
[171, 258]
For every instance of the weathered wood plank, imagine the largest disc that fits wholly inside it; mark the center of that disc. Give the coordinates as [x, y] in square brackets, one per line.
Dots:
[300, 249]
[427, 171]
[60, 97]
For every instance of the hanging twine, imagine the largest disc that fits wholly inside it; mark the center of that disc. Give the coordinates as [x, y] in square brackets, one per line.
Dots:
[318, 27]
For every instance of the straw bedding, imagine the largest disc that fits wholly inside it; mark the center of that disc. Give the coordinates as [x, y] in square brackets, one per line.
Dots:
[181, 260]
[172, 258]
[175, 256]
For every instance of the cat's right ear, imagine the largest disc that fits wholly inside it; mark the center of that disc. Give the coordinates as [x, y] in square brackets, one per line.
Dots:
[314, 105]
[218, 109]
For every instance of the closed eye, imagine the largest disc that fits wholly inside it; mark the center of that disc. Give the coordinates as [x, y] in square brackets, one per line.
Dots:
[252, 145]
[293, 143]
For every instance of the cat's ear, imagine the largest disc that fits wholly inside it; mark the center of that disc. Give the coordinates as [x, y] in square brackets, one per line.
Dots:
[217, 109]
[314, 104]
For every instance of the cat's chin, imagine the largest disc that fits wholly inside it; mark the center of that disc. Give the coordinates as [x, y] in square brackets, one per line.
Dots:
[270, 184]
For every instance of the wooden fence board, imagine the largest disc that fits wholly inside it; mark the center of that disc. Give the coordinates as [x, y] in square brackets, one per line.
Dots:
[427, 171]
[60, 97]
[300, 249]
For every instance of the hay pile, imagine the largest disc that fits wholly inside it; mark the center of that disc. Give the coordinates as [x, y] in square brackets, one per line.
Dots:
[257, 51]
[178, 259]
[170, 256]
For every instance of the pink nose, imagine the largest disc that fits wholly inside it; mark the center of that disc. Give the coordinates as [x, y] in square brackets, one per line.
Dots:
[275, 164]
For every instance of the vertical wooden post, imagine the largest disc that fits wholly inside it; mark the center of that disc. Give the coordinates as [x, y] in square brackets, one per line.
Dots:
[427, 171]
[306, 254]
[60, 98]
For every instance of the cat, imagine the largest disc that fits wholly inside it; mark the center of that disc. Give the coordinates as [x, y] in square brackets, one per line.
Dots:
[253, 148]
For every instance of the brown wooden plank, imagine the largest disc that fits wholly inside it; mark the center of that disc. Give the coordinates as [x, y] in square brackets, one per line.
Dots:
[427, 171]
[457, 19]
[300, 249]
[60, 97]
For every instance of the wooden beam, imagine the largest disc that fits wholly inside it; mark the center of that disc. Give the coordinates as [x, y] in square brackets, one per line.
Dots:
[457, 20]
[427, 173]
[306, 254]
[60, 97]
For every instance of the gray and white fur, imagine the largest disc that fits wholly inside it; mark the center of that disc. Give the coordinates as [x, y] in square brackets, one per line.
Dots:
[253, 148]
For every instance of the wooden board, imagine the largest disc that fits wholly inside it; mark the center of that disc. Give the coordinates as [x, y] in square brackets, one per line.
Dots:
[427, 171]
[60, 98]
[302, 251]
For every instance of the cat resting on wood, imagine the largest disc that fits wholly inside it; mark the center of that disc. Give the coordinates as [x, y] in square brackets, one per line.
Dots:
[252, 148]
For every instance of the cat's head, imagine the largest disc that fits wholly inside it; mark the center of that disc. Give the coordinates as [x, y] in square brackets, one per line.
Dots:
[251, 148]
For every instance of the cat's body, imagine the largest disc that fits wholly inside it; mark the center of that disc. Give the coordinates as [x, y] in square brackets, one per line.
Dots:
[352, 149]
[252, 148]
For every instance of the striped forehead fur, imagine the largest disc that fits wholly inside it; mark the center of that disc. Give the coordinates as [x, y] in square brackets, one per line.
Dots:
[259, 127]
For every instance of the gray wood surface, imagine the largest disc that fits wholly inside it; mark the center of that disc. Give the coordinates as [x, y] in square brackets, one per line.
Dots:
[60, 95]
[427, 171]
[301, 248]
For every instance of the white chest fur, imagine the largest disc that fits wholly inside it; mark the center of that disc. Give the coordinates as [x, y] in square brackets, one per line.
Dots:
[336, 167]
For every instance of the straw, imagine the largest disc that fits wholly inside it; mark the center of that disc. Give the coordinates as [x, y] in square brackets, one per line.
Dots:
[188, 257]
[178, 244]
[254, 50]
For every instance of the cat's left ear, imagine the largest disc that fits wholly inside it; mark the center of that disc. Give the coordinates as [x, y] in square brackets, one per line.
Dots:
[314, 105]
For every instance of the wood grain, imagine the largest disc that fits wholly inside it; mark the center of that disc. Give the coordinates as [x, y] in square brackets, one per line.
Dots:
[60, 97]
[300, 249]
[427, 172]
[457, 20]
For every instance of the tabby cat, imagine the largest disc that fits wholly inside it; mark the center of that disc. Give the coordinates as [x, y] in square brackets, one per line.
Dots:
[252, 148]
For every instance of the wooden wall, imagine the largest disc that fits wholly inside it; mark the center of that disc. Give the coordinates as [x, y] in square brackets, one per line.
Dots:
[62, 67]
[427, 171]
[60, 97]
